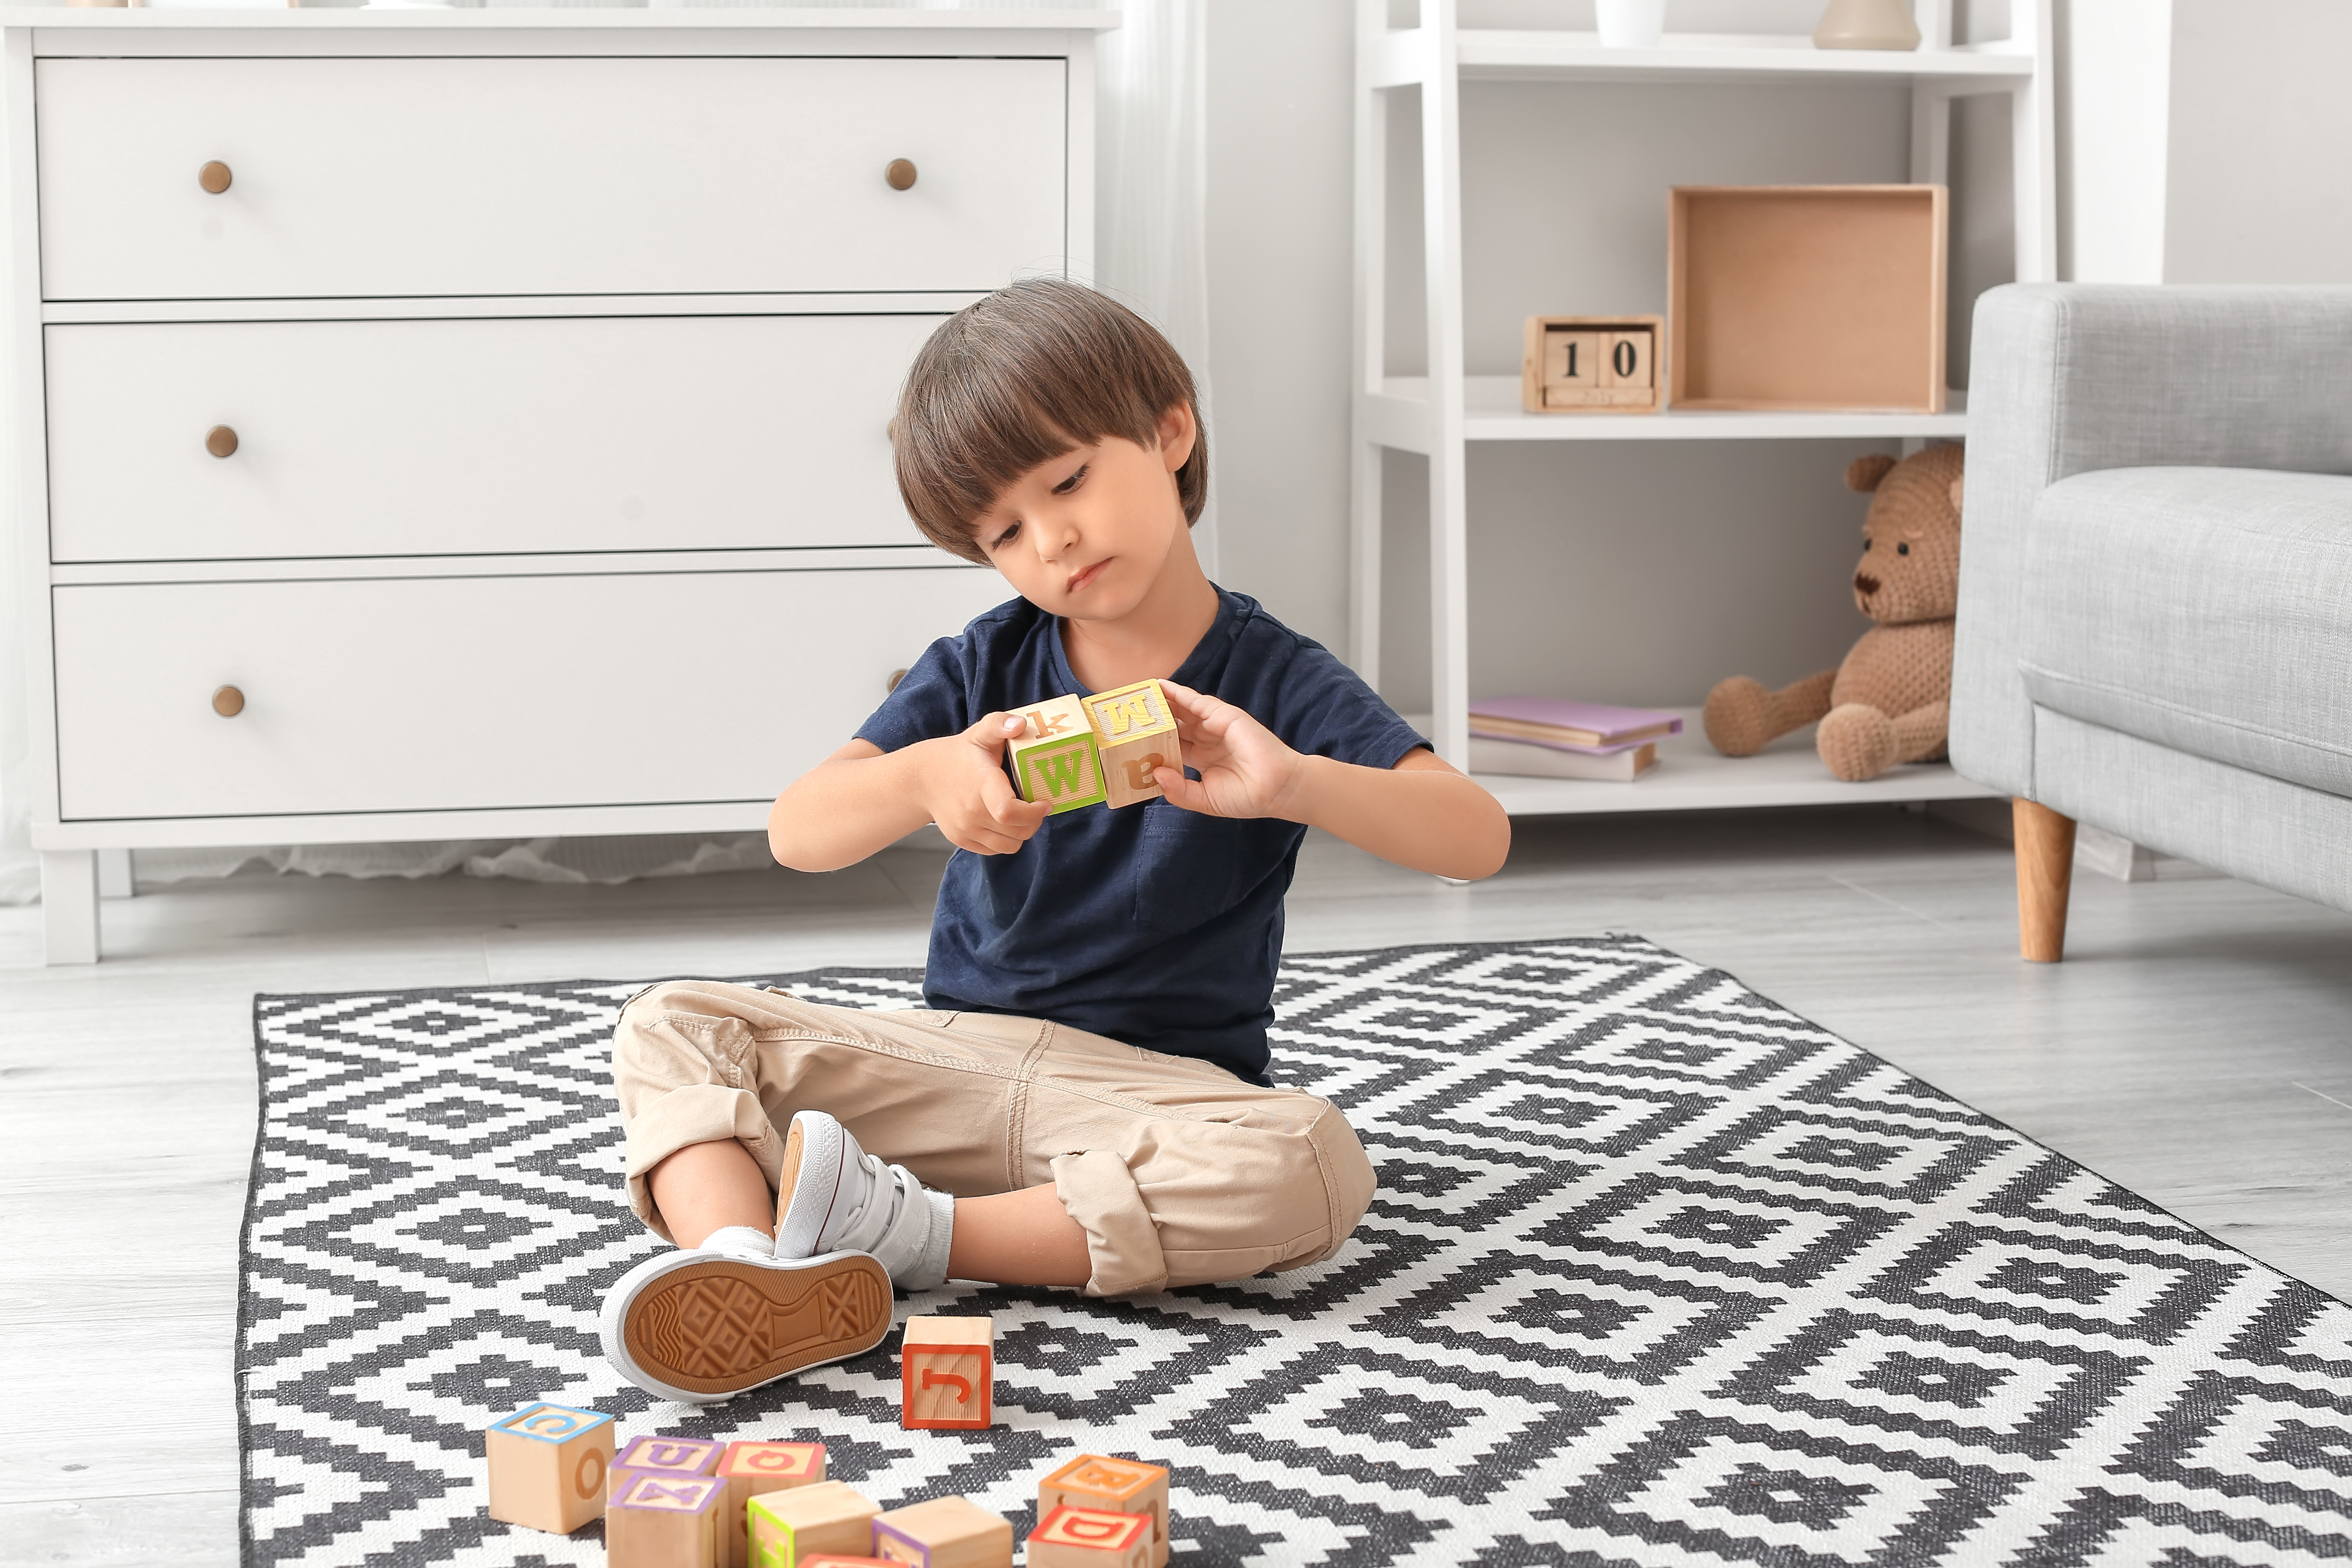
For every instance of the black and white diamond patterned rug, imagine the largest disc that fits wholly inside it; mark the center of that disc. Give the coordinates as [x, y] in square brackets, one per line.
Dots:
[1660, 1274]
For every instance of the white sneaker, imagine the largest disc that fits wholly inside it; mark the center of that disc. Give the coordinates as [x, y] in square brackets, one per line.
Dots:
[833, 1196]
[705, 1324]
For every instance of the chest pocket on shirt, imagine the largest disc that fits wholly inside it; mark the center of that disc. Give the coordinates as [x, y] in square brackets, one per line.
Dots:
[1191, 868]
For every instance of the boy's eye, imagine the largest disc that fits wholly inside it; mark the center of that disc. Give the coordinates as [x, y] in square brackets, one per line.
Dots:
[1067, 486]
[1012, 531]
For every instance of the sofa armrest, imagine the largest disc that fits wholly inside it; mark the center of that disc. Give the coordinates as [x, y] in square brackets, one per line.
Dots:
[2067, 378]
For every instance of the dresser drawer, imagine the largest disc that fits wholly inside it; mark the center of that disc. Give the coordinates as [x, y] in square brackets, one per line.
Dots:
[422, 176]
[475, 437]
[424, 694]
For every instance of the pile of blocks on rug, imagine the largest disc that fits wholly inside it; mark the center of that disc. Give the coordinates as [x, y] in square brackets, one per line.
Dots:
[1659, 1273]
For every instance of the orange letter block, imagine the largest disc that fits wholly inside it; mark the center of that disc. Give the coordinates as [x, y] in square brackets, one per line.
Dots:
[947, 1370]
[547, 1466]
[1090, 1538]
[1111, 1486]
[751, 1468]
[663, 1519]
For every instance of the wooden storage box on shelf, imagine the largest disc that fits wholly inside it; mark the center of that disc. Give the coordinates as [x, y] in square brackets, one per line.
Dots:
[1591, 364]
[1806, 297]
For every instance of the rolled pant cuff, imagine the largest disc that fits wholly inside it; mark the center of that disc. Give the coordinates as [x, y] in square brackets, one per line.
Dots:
[1122, 1243]
[697, 1113]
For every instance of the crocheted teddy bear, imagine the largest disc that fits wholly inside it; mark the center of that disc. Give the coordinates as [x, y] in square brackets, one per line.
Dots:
[1887, 702]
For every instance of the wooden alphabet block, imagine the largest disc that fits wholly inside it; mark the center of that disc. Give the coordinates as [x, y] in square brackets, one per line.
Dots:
[946, 1532]
[751, 1468]
[672, 1456]
[1064, 769]
[1591, 364]
[836, 1560]
[947, 1370]
[547, 1465]
[1135, 731]
[1090, 1538]
[789, 1527]
[1054, 717]
[663, 1518]
[1111, 1486]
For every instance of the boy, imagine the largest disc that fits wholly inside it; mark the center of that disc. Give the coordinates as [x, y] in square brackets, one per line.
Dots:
[1086, 1104]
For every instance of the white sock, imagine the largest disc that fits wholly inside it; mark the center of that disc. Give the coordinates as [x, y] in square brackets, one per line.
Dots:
[739, 1241]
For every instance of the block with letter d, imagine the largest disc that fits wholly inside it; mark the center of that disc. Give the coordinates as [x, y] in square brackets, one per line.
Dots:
[660, 1518]
[547, 1465]
[1135, 731]
[1111, 1486]
[947, 1368]
[1091, 1538]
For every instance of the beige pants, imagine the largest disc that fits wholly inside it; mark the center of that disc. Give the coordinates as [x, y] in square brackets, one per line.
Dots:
[1178, 1173]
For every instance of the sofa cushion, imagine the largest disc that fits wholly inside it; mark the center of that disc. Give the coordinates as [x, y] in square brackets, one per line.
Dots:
[2205, 610]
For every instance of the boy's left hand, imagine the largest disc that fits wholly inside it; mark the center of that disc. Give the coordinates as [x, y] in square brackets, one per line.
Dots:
[1244, 768]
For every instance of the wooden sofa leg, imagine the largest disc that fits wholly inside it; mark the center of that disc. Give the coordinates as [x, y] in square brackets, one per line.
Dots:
[2045, 869]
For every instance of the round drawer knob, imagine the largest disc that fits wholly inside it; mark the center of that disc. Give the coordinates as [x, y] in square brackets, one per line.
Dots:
[228, 702]
[892, 684]
[220, 440]
[214, 176]
[901, 173]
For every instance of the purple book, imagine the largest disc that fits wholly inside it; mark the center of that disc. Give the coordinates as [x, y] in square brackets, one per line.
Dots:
[1594, 727]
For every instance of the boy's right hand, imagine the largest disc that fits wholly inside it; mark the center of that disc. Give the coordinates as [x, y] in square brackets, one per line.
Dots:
[969, 796]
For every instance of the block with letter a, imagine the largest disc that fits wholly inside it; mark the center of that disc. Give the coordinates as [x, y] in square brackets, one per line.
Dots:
[750, 1468]
[547, 1465]
[1090, 1538]
[1135, 731]
[1111, 1486]
[946, 1369]
[663, 1518]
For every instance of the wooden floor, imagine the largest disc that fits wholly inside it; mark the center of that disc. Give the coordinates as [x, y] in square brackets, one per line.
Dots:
[2196, 1047]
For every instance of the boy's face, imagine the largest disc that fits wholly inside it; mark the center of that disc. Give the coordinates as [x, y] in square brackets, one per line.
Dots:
[1085, 534]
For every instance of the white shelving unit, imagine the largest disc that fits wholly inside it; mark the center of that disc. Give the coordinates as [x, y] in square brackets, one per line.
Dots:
[1438, 415]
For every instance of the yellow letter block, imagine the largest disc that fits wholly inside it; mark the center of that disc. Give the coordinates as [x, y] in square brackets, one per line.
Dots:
[1135, 731]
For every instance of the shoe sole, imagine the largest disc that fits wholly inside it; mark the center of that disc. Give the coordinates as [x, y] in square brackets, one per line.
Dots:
[719, 1326]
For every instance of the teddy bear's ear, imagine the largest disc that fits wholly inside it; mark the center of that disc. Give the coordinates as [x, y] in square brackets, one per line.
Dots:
[1958, 481]
[1863, 473]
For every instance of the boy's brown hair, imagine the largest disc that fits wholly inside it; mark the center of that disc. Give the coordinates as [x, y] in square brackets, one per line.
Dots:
[1023, 376]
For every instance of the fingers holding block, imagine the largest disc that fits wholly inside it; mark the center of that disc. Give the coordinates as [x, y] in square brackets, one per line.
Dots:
[946, 1532]
[1106, 1485]
[788, 1528]
[1090, 1538]
[1066, 771]
[750, 1468]
[1135, 731]
[547, 1466]
[946, 1369]
[661, 1519]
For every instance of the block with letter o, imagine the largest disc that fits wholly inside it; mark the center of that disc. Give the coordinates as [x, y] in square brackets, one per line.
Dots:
[547, 1466]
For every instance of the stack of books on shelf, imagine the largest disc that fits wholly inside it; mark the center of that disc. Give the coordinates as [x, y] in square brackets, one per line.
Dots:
[1544, 737]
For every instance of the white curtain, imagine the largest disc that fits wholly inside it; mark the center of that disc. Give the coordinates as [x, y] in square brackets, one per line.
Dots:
[1151, 253]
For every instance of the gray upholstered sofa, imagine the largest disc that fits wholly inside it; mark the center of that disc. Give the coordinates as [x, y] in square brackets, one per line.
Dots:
[2155, 629]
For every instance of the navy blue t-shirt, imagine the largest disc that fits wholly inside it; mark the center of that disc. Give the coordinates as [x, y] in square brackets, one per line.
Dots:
[1149, 924]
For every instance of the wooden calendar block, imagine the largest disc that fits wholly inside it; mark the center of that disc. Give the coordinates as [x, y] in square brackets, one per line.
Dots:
[1591, 364]
[663, 1518]
[947, 1370]
[1066, 770]
[788, 1528]
[1090, 1538]
[672, 1456]
[946, 1532]
[1111, 1486]
[751, 1468]
[547, 1465]
[1135, 731]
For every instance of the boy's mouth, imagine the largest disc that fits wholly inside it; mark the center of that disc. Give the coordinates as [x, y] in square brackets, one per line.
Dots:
[1080, 579]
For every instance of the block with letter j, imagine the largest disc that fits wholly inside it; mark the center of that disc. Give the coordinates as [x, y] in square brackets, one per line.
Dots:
[948, 1372]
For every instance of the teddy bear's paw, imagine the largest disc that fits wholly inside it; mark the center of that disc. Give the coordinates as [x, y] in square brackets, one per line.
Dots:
[1738, 717]
[1857, 742]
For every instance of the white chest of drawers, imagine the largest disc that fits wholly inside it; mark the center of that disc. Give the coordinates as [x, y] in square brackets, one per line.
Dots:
[473, 424]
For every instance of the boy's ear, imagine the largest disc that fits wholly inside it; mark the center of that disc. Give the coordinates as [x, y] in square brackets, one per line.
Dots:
[1177, 433]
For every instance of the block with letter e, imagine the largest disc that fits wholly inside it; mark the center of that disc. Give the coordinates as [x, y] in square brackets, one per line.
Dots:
[660, 1519]
[1135, 731]
[750, 1468]
[1111, 1486]
[547, 1465]
[946, 1369]
[1090, 1538]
